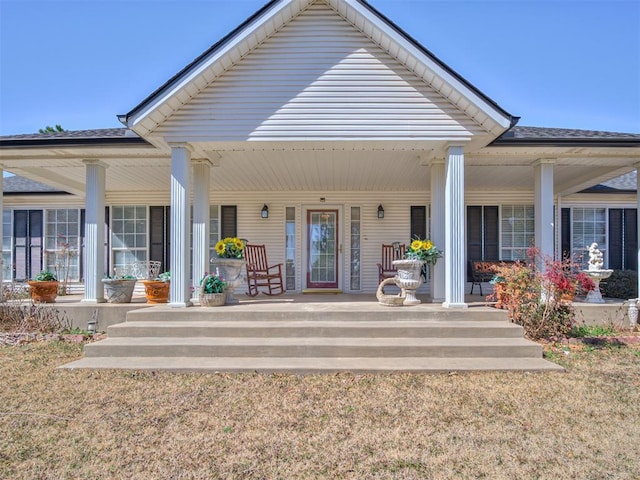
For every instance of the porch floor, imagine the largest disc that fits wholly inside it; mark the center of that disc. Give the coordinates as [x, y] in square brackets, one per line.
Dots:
[79, 313]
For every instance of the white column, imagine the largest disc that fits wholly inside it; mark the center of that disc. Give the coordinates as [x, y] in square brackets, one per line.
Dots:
[180, 294]
[438, 216]
[544, 196]
[1, 233]
[201, 172]
[95, 172]
[454, 256]
[638, 218]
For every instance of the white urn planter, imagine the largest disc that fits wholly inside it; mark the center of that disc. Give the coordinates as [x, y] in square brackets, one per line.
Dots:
[118, 290]
[230, 269]
[409, 278]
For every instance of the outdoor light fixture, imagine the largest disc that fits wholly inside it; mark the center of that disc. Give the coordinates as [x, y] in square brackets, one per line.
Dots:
[91, 326]
[380, 211]
[265, 211]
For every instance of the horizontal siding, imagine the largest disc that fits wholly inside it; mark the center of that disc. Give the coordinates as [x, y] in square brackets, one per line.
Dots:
[374, 232]
[318, 78]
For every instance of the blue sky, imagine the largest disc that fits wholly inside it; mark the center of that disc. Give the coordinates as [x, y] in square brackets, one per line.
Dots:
[555, 63]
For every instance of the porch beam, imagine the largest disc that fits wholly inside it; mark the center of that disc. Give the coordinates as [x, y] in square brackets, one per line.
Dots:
[544, 197]
[201, 184]
[95, 172]
[56, 180]
[437, 230]
[179, 294]
[454, 256]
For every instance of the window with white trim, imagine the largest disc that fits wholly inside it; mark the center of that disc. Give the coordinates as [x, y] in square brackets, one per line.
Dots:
[7, 245]
[62, 241]
[214, 230]
[517, 231]
[128, 234]
[290, 248]
[356, 232]
[588, 225]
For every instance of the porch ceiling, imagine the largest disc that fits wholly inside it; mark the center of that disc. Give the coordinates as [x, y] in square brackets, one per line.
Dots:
[355, 166]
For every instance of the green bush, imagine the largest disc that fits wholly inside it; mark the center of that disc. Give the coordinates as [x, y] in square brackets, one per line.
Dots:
[45, 276]
[621, 284]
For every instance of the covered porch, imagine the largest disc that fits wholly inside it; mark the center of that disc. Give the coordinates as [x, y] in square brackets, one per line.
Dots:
[280, 115]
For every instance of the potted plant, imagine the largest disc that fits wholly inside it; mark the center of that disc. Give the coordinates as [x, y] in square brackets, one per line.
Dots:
[119, 289]
[409, 275]
[229, 264]
[157, 290]
[212, 291]
[44, 287]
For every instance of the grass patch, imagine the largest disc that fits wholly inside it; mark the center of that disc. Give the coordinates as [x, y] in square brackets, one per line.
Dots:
[132, 425]
[581, 331]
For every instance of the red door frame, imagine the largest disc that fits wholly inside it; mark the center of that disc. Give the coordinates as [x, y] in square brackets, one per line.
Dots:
[310, 283]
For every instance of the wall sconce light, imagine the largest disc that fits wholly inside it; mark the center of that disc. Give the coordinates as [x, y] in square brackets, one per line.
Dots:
[380, 211]
[264, 213]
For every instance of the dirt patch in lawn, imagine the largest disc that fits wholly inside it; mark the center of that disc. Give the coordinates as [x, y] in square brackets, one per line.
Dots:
[137, 425]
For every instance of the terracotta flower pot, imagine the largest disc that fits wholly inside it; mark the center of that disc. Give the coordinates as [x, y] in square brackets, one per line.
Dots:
[43, 292]
[156, 291]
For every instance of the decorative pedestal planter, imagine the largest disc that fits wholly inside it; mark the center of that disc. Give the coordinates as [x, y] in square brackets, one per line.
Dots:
[156, 291]
[230, 269]
[43, 292]
[118, 290]
[409, 278]
[595, 296]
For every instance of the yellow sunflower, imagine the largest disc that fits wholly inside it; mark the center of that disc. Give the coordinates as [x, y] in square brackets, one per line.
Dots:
[427, 244]
[220, 248]
[416, 245]
[238, 243]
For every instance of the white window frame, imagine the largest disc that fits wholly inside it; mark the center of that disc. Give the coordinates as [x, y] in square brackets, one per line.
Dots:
[54, 254]
[516, 251]
[132, 253]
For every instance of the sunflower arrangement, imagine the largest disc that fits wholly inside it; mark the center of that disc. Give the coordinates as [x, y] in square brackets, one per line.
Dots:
[230, 247]
[423, 250]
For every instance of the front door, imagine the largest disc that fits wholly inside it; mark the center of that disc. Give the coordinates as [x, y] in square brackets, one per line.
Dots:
[322, 249]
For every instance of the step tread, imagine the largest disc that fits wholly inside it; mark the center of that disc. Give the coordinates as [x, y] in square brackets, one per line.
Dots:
[317, 328]
[308, 341]
[319, 323]
[316, 364]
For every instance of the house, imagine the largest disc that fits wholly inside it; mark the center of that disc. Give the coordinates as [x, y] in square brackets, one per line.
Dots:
[322, 112]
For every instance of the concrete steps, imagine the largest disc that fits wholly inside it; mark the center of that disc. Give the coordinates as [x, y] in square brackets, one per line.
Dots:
[312, 347]
[317, 328]
[319, 365]
[315, 340]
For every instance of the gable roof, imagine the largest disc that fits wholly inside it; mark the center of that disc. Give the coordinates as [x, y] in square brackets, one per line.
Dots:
[17, 185]
[227, 52]
[521, 135]
[102, 136]
[517, 135]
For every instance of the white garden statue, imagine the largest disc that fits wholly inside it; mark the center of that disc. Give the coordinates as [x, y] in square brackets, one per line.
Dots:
[596, 259]
[596, 272]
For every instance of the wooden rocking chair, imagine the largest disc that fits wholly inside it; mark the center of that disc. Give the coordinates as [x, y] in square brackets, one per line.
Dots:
[392, 252]
[260, 274]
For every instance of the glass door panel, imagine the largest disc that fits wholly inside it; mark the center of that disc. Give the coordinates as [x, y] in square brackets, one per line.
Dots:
[322, 248]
